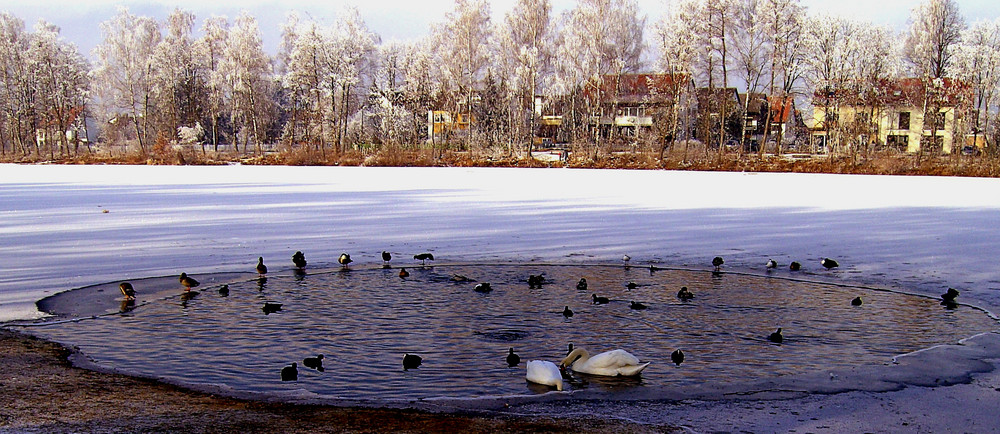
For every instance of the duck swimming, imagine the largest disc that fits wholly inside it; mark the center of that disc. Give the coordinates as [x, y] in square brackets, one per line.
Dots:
[513, 359]
[609, 363]
[188, 282]
[299, 260]
[127, 290]
[261, 268]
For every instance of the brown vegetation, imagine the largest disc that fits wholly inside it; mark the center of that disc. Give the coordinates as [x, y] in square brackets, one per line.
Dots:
[695, 158]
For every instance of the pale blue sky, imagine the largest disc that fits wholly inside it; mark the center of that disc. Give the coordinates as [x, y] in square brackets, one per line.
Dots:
[394, 19]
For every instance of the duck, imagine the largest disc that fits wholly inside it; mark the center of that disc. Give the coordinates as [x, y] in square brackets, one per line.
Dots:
[770, 265]
[403, 273]
[423, 257]
[948, 298]
[544, 372]
[261, 268]
[127, 290]
[513, 359]
[829, 263]
[535, 281]
[345, 260]
[460, 278]
[582, 284]
[794, 266]
[188, 282]
[483, 287]
[271, 307]
[684, 294]
[599, 300]
[637, 305]
[224, 290]
[567, 312]
[299, 260]
[717, 263]
[625, 259]
[677, 357]
[631, 285]
[776, 337]
[411, 361]
[609, 363]
[314, 362]
[290, 372]
[386, 257]
[857, 301]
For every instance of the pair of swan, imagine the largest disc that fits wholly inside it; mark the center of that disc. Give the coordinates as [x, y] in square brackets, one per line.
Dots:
[609, 363]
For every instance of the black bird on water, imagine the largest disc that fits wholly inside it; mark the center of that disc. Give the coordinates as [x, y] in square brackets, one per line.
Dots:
[582, 284]
[829, 263]
[290, 373]
[631, 285]
[776, 336]
[483, 287]
[188, 282]
[637, 305]
[261, 268]
[948, 298]
[684, 294]
[677, 357]
[314, 362]
[857, 301]
[513, 359]
[423, 257]
[599, 300]
[771, 264]
[717, 263]
[127, 290]
[535, 281]
[299, 260]
[224, 290]
[386, 257]
[271, 307]
[794, 266]
[411, 361]
[567, 313]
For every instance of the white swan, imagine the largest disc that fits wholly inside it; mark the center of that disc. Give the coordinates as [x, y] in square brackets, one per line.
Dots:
[610, 363]
[544, 372]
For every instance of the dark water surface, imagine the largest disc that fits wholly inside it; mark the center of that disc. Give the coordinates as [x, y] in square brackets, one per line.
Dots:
[364, 320]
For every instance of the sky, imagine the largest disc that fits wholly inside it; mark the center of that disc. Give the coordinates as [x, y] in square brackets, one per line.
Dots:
[393, 19]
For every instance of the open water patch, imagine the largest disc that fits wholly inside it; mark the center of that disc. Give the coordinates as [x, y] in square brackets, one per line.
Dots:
[364, 320]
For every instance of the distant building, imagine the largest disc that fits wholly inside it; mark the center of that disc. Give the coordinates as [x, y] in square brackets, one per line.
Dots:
[897, 115]
[714, 104]
[634, 105]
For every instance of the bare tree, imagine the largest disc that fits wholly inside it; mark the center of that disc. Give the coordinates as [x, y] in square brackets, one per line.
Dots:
[935, 32]
[123, 74]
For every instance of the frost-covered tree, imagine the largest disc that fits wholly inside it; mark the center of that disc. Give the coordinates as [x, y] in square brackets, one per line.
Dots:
[123, 74]
[351, 60]
[527, 52]
[463, 52]
[977, 63]
[784, 24]
[304, 80]
[62, 85]
[935, 32]
[178, 75]
[211, 48]
[19, 92]
[677, 41]
[248, 74]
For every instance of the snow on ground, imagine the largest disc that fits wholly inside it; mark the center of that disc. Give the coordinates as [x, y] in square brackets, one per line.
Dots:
[921, 234]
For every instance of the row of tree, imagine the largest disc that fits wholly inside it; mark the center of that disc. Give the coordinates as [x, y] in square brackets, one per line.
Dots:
[153, 83]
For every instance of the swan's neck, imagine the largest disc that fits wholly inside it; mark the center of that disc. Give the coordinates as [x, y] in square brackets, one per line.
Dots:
[577, 355]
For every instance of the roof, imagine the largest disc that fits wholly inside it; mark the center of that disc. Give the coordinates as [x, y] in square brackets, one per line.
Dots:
[908, 91]
[638, 88]
[781, 111]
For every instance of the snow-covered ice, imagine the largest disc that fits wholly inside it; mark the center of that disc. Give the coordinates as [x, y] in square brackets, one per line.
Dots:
[921, 234]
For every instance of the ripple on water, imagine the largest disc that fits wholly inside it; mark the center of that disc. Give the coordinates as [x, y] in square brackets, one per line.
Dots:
[363, 322]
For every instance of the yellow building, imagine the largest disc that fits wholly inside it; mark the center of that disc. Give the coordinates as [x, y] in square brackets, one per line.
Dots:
[894, 119]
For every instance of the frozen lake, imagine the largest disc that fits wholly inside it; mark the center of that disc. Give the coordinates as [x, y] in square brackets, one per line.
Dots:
[920, 234]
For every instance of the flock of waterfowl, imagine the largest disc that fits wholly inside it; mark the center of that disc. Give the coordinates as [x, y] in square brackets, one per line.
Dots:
[616, 362]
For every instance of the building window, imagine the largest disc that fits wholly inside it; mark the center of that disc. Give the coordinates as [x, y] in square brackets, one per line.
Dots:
[937, 119]
[898, 141]
[904, 121]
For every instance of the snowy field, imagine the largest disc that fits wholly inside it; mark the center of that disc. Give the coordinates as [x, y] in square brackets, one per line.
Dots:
[920, 234]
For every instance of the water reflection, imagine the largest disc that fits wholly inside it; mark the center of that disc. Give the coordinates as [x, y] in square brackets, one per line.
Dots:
[366, 320]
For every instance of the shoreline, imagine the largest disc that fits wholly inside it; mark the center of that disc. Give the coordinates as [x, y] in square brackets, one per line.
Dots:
[43, 392]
